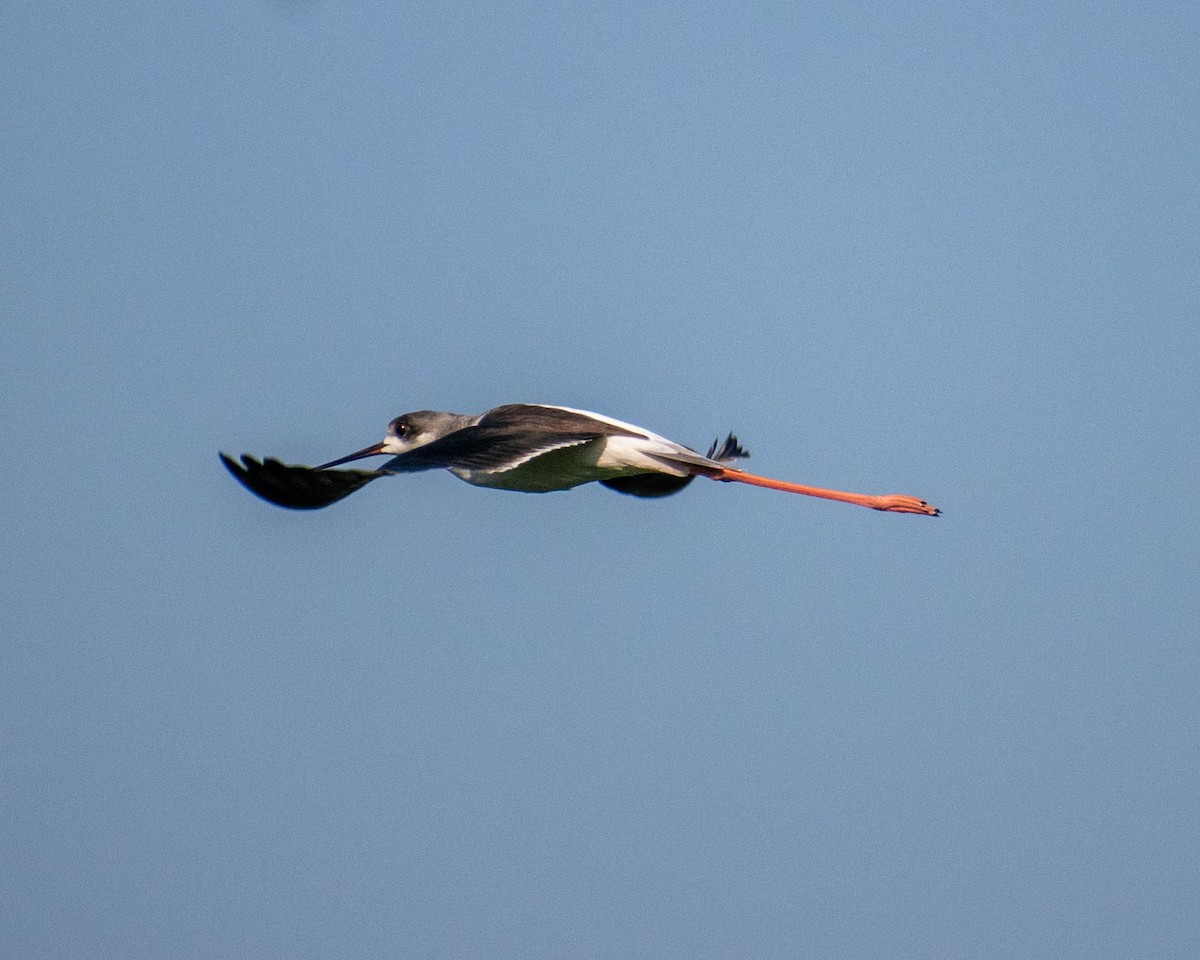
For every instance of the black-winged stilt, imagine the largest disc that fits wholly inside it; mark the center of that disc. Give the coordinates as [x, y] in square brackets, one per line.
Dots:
[531, 448]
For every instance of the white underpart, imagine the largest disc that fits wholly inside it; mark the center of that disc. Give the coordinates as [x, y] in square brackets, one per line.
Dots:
[569, 465]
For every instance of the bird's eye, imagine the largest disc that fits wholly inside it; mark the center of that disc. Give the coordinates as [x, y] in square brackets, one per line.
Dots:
[399, 427]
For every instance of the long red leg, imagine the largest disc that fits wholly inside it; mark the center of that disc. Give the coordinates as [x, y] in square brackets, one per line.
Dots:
[895, 502]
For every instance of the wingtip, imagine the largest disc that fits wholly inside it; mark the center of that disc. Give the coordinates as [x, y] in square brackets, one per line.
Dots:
[295, 487]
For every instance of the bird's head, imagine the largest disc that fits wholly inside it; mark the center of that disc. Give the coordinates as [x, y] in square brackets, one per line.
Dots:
[411, 430]
[406, 432]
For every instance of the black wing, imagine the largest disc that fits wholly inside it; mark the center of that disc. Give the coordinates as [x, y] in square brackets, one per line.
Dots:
[298, 488]
[505, 437]
[484, 448]
[647, 484]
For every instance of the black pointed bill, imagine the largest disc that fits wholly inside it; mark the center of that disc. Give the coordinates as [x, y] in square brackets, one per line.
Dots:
[372, 451]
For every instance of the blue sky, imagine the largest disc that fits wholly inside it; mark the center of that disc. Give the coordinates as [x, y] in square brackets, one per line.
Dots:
[940, 249]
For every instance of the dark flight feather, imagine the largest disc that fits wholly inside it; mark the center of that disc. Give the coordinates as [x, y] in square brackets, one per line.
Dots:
[298, 488]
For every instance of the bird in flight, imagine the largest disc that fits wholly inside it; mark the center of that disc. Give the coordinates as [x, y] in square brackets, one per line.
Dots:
[531, 448]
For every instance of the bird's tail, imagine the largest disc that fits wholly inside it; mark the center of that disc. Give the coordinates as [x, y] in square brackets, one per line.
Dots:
[727, 451]
[663, 484]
